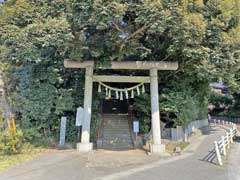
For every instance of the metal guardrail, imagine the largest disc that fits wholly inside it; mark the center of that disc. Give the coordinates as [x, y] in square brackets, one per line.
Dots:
[222, 145]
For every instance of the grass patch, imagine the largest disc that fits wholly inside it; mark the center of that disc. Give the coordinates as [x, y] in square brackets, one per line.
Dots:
[28, 151]
[171, 146]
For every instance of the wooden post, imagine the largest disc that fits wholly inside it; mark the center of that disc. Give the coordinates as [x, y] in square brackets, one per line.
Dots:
[219, 158]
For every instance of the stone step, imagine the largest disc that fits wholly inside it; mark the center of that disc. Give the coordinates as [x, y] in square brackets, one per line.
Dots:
[115, 132]
[116, 118]
[122, 127]
[124, 144]
[116, 136]
[115, 121]
[117, 128]
[115, 115]
[112, 119]
[116, 125]
[117, 139]
[117, 146]
[111, 134]
[107, 134]
[113, 141]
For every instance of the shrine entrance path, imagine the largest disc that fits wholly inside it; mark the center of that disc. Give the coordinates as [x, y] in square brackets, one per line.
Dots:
[71, 165]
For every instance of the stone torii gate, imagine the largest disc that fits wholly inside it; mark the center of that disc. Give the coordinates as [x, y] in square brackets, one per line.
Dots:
[152, 66]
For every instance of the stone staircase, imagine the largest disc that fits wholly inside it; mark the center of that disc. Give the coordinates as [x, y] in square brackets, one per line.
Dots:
[115, 133]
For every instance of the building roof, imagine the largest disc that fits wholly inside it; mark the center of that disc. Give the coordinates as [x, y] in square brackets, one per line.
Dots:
[218, 85]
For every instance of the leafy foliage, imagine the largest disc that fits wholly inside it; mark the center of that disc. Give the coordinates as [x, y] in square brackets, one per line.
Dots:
[220, 100]
[142, 108]
[10, 142]
[184, 104]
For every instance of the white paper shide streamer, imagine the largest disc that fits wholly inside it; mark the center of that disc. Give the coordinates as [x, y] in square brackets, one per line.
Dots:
[121, 93]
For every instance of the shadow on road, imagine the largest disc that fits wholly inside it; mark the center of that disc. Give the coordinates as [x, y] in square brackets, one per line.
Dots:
[237, 139]
[210, 157]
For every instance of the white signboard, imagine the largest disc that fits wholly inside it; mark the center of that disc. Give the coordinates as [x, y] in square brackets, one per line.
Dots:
[79, 117]
[135, 126]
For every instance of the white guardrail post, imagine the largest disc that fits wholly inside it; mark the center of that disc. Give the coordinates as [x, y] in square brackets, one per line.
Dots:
[231, 135]
[224, 144]
[219, 158]
[228, 141]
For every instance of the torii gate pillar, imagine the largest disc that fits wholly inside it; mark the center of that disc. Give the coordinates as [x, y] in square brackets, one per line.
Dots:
[86, 145]
[156, 146]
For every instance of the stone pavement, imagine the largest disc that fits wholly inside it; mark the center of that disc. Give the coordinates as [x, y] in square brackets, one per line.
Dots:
[193, 164]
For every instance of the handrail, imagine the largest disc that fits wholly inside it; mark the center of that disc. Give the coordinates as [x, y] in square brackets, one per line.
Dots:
[222, 145]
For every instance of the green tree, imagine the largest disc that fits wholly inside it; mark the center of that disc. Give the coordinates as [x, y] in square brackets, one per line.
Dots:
[36, 36]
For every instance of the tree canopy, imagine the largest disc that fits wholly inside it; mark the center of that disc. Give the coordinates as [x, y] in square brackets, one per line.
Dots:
[203, 36]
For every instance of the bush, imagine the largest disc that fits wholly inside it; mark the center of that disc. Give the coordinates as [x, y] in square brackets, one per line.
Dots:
[142, 108]
[184, 104]
[10, 141]
[221, 103]
[31, 134]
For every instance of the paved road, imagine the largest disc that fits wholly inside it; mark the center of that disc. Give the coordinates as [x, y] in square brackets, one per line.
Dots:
[201, 165]
[195, 164]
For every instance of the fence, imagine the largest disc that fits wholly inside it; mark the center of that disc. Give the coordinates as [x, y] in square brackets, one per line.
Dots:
[182, 133]
[223, 144]
[233, 119]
